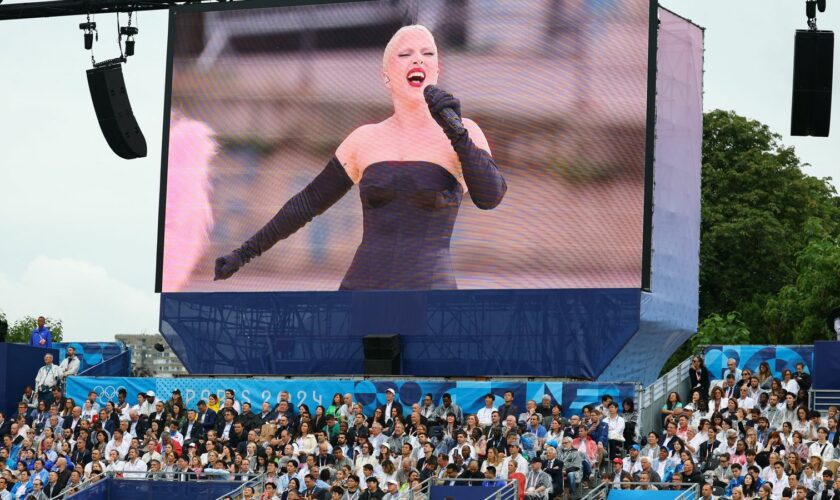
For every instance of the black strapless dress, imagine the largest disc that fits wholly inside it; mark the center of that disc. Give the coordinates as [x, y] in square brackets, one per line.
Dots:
[409, 210]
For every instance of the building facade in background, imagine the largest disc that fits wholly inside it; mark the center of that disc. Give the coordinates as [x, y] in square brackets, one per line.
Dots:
[146, 361]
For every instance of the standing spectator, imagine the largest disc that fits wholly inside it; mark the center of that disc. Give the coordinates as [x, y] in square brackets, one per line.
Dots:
[41, 336]
[698, 374]
[70, 365]
[47, 379]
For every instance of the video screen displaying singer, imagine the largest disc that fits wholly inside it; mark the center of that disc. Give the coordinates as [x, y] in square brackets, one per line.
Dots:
[407, 146]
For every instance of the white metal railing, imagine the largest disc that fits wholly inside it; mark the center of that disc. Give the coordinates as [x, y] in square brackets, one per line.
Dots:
[821, 399]
[256, 482]
[509, 491]
[650, 399]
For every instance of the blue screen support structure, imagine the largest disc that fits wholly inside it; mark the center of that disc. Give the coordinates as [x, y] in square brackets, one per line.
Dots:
[551, 333]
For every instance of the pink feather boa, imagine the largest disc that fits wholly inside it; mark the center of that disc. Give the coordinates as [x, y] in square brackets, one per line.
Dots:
[189, 216]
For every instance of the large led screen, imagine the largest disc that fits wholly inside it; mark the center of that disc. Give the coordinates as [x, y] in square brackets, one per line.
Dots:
[304, 152]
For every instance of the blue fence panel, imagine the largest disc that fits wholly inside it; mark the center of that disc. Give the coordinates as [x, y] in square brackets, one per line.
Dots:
[98, 491]
[461, 492]
[469, 395]
[642, 494]
[126, 489]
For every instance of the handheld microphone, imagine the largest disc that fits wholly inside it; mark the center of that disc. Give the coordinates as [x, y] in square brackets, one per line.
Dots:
[453, 121]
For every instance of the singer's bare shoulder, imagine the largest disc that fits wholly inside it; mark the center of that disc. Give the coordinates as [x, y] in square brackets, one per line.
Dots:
[348, 151]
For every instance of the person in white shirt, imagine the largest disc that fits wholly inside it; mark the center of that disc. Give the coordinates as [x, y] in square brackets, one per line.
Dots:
[118, 444]
[95, 459]
[47, 378]
[732, 367]
[745, 401]
[789, 383]
[115, 464]
[346, 411]
[70, 365]
[521, 463]
[135, 468]
[152, 453]
[821, 447]
[778, 479]
[376, 437]
[485, 415]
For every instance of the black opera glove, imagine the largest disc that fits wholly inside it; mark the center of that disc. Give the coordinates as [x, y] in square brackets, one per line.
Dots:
[484, 181]
[438, 99]
[322, 193]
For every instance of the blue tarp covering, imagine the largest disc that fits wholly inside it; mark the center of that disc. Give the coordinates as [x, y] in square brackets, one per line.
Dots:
[553, 333]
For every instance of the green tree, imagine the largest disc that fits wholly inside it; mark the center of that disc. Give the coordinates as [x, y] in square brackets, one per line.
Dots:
[756, 202]
[21, 330]
[797, 314]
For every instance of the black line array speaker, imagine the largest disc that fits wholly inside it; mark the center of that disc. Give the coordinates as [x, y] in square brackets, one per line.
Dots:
[110, 100]
[383, 354]
[813, 59]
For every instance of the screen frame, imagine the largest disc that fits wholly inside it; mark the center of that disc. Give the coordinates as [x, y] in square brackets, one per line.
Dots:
[650, 121]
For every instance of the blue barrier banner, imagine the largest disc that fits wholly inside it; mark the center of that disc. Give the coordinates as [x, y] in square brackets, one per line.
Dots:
[469, 395]
[127, 489]
[98, 491]
[461, 492]
[779, 357]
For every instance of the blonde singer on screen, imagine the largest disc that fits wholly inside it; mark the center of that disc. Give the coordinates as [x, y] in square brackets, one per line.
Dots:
[412, 169]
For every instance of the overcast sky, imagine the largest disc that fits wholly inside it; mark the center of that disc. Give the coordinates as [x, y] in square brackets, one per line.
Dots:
[79, 225]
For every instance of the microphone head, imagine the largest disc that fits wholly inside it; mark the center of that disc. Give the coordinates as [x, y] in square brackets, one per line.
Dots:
[429, 91]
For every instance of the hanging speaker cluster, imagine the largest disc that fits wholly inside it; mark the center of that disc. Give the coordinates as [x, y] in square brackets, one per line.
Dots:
[113, 111]
[813, 64]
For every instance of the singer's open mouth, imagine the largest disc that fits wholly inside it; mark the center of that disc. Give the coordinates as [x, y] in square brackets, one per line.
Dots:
[416, 77]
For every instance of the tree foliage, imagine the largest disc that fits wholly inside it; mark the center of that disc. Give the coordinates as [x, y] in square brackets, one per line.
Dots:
[21, 330]
[769, 256]
[756, 202]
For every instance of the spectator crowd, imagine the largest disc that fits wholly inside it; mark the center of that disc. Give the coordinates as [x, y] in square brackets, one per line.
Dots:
[748, 435]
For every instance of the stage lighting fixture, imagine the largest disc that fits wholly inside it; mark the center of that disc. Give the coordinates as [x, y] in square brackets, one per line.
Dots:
[90, 29]
[129, 32]
[159, 347]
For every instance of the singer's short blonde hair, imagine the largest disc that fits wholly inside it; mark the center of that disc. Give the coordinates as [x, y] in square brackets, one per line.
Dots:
[392, 43]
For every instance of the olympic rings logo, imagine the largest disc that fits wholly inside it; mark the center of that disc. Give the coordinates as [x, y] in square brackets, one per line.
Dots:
[107, 393]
